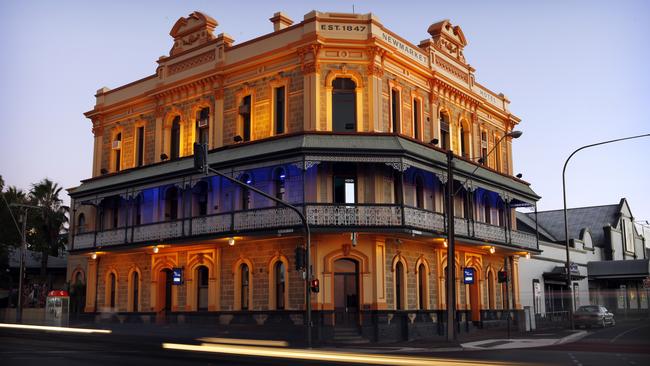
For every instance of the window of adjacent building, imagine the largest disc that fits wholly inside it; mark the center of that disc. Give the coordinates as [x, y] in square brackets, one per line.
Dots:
[279, 109]
[245, 192]
[445, 143]
[422, 286]
[395, 102]
[245, 111]
[117, 152]
[81, 223]
[203, 280]
[419, 192]
[629, 236]
[279, 285]
[417, 119]
[484, 147]
[344, 105]
[139, 148]
[279, 182]
[399, 285]
[175, 139]
[171, 203]
[203, 126]
[135, 284]
[244, 273]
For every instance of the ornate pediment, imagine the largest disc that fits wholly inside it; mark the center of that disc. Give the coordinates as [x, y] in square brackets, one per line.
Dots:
[192, 32]
[448, 38]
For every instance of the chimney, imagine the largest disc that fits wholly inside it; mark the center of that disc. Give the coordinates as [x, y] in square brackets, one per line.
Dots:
[280, 21]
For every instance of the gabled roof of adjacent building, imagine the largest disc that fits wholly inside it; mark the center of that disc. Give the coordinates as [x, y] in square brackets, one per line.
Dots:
[593, 218]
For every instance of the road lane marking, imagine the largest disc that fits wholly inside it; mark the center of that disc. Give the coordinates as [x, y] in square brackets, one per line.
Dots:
[316, 355]
[626, 332]
[245, 342]
[54, 329]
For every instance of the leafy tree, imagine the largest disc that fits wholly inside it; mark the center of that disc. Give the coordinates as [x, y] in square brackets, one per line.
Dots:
[9, 234]
[50, 224]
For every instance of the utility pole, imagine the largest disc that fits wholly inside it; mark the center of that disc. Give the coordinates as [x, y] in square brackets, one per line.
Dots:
[451, 254]
[23, 248]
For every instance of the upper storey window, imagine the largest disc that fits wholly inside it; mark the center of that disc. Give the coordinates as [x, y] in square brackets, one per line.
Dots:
[279, 109]
[175, 138]
[417, 119]
[464, 141]
[245, 113]
[395, 102]
[139, 148]
[345, 184]
[117, 152]
[202, 126]
[344, 105]
[445, 142]
[484, 147]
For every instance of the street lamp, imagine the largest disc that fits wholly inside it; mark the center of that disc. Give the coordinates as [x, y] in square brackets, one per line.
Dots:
[566, 222]
[451, 241]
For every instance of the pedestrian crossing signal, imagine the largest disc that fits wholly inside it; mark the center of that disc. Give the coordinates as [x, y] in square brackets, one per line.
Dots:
[315, 285]
[503, 276]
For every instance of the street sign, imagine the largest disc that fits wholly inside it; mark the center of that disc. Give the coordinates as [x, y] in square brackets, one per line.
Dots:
[177, 276]
[468, 276]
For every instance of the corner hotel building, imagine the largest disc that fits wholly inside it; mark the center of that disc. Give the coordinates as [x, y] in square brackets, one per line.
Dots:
[340, 117]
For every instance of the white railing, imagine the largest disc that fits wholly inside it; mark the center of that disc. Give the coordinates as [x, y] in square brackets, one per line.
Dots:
[424, 219]
[489, 232]
[84, 240]
[523, 239]
[111, 237]
[460, 226]
[354, 215]
[211, 224]
[266, 218]
[156, 232]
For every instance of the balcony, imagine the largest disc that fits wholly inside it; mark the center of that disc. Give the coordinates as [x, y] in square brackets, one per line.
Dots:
[319, 216]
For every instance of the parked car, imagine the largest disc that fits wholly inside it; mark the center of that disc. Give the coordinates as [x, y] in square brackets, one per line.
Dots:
[593, 315]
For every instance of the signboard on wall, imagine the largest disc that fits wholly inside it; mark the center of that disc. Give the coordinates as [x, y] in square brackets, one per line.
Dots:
[468, 276]
[177, 276]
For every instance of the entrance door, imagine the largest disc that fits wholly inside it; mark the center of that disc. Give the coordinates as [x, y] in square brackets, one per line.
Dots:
[165, 278]
[474, 299]
[346, 292]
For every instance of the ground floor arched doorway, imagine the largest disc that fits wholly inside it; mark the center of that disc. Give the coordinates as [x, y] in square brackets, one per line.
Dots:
[165, 280]
[346, 292]
[474, 294]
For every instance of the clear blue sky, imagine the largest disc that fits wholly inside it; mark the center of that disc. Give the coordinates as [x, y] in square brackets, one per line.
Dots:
[575, 71]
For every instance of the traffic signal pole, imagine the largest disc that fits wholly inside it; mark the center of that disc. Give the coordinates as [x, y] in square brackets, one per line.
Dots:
[201, 163]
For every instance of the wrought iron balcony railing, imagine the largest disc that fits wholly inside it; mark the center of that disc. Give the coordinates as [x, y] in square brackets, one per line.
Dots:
[350, 216]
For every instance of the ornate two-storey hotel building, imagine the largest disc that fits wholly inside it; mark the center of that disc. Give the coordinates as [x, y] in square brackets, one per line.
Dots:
[338, 116]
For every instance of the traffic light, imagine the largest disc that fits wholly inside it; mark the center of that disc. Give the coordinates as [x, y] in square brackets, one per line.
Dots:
[502, 276]
[315, 285]
[300, 258]
[201, 157]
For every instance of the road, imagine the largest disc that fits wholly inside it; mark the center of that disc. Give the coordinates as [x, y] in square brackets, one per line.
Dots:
[627, 344]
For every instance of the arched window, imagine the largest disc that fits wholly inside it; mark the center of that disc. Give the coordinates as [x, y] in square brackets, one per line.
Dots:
[175, 139]
[484, 147]
[395, 110]
[171, 203]
[464, 141]
[497, 153]
[417, 119]
[344, 105]
[399, 286]
[419, 192]
[112, 283]
[200, 199]
[422, 286]
[491, 290]
[279, 178]
[81, 223]
[202, 284]
[245, 192]
[202, 126]
[245, 111]
[244, 273]
[280, 289]
[135, 288]
[117, 152]
[79, 278]
[445, 142]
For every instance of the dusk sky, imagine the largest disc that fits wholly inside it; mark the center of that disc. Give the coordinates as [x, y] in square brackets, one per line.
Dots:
[575, 72]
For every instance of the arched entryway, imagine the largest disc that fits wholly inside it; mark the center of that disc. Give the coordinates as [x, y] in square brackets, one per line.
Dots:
[165, 280]
[202, 285]
[475, 297]
[346, 291]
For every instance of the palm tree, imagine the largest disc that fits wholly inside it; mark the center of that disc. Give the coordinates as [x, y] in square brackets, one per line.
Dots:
[10, 237]
[51, 225]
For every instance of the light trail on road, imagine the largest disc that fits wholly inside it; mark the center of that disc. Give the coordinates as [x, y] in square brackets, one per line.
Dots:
[54, 329]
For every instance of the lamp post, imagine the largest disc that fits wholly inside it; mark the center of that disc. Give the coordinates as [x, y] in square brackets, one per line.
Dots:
[566, 222]
[451, 240]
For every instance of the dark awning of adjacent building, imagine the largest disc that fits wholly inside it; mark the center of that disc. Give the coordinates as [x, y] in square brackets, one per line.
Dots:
[558, 275]
[635, 268]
